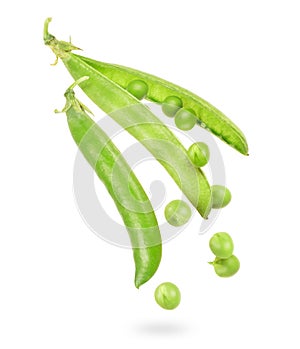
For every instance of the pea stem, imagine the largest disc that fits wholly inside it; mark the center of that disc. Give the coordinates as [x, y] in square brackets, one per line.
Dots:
[71, 100]
[47, 36]
[76, 83]
[60, 48]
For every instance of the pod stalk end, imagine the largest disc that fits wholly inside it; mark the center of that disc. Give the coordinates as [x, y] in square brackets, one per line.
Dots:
[72, 101]
[60, 48]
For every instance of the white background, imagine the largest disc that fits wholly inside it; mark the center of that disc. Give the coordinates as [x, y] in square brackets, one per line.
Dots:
[63, 287]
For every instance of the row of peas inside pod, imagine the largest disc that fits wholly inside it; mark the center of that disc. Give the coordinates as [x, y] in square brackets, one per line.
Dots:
[172, 106]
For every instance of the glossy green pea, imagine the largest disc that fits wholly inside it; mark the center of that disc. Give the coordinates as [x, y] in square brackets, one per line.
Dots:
[177, 213]
[221, 245]
[138, 88]
[167, 295]
[226, 267]
[185, 119]
[138, 120]
[221, 196]
[208, 116]
[199, 154]
[171, 105]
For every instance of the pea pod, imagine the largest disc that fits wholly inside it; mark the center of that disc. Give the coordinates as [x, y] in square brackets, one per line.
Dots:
[159, 90]
[135, 210]
[139, 121]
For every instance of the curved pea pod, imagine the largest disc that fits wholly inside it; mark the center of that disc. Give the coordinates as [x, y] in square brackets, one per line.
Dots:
[122, 185]
[208, 116]
[140, 122]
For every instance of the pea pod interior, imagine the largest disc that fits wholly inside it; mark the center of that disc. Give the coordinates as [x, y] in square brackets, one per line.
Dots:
[159, 89]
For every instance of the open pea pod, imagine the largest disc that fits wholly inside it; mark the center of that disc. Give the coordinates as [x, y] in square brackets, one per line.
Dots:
[207, 115]
[139, 121]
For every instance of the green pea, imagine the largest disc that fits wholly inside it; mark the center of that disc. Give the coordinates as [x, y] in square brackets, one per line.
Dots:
[177, 213]
[138, 88]
[221, 245]
[221, 196]
[185, 119]
[167, 295]
[226, 267]
[171, 105]
[199, 154]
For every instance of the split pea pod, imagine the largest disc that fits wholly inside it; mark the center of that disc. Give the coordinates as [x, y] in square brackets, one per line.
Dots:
[159, 90]
[139, 121]
[122, 185]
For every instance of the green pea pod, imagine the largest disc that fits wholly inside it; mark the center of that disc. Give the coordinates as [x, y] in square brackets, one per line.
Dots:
[139, 121]
[125, 189]
[208, 116]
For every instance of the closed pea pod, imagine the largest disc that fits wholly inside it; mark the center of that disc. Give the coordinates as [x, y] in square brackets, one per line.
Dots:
[160, 90]
[139, 121]
[136, 211]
